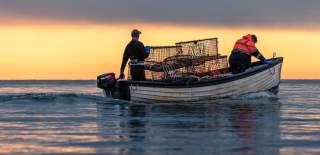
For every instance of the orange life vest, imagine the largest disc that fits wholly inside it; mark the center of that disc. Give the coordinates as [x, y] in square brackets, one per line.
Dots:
[245, 45]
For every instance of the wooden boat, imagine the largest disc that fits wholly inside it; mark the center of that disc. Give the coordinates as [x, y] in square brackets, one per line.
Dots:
[260, 77]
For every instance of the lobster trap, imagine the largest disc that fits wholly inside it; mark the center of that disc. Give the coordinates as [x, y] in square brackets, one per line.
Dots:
[204, 47]
[198, 58]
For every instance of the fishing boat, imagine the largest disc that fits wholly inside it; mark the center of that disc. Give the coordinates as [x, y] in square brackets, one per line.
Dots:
[191, 71]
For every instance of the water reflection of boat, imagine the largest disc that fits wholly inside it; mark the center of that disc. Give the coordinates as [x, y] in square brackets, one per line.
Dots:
[231, 127]
[192, 71]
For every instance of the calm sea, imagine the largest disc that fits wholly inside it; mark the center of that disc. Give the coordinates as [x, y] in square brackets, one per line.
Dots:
[72, 117]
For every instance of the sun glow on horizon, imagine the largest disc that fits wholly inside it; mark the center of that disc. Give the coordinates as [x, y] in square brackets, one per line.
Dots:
[84, 51]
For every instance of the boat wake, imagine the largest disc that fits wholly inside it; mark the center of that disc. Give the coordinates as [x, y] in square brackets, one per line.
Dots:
[78, 97]
[257, 95]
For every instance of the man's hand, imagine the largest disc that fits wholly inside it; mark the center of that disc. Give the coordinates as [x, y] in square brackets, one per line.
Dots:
[122, 76]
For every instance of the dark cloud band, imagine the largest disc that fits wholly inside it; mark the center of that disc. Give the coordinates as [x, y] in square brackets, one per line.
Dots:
[202, 12]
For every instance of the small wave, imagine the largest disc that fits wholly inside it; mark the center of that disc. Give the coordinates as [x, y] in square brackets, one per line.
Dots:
[257, 95]
[49, 97]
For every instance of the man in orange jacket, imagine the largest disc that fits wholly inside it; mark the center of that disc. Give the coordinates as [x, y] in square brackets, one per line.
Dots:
[240, 58]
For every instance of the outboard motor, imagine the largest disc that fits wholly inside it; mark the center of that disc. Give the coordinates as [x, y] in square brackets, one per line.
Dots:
[107, 82]
[118, 89]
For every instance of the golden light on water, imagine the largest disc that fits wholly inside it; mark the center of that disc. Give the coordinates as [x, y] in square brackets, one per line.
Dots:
[83, 51]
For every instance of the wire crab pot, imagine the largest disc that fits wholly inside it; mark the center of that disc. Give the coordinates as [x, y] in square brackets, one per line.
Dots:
[198, 57]
[203, 47]
[160, 53]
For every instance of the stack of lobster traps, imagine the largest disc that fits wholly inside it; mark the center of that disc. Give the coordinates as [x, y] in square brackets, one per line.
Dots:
[191, 59]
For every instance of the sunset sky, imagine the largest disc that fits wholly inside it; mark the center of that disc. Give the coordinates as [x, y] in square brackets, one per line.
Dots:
[79, 39]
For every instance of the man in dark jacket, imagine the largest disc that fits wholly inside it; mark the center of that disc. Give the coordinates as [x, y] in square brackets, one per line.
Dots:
[136, 52]
[240, 58]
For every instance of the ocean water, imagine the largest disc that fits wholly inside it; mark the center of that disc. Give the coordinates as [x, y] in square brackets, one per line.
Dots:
[72, 117]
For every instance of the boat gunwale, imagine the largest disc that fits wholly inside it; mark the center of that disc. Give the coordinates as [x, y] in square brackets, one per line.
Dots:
[276, 61]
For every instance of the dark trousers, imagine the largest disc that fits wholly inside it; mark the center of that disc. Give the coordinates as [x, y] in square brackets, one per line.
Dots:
[138, 73]
[239, 62]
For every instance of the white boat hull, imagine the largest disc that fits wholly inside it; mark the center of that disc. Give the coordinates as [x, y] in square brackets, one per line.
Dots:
[261, 81]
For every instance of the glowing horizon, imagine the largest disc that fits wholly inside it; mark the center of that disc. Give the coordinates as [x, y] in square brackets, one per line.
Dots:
[70, 51]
